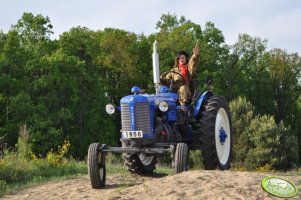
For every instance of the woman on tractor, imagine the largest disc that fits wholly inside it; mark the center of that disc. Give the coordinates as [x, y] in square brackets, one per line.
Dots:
[181, 74]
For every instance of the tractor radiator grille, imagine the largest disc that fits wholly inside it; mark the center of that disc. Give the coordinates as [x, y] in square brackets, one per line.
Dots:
[141, 117]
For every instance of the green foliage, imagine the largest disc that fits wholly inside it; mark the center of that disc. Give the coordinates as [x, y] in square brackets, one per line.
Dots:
[167, 22]
[23, 148]
[34, 32]
[285, 70]
[34, 27]
[22, 166]
[260, 143]
[265, 136]
[242, 113]
[114, 159]
[56, 158]
[250, 72]
[296, 124]
[195, 160]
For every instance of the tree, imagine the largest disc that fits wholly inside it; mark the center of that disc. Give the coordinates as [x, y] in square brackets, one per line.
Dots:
[242, 113]
[34, 32]
[143, 64]
[168, 22]
[12, 61]
[90, 122]
[82, 43]
[250, 74]
[33, 28]
[118, 62]
[214, 59]
[285, 72]
[296, 124]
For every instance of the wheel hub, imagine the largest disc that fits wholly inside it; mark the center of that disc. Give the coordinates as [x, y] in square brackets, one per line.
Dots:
[222, 136]
[145, 159]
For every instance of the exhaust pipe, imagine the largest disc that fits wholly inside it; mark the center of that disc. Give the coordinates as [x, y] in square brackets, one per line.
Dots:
[156, 71]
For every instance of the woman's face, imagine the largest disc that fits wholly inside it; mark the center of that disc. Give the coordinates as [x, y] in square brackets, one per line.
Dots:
[182, 59]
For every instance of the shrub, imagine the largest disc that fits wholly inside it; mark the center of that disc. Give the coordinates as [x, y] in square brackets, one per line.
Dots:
[114, 158]
[56, 158]
[260, 143]
[195, 160]
[242, 113]
[23, 148]
[22, 166]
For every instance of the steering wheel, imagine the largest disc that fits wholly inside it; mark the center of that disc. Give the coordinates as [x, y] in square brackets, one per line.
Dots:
[171, 85]
[164, 74]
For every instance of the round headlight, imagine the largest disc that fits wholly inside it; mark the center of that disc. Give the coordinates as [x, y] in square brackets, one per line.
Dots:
[110, 109]
[163, 106]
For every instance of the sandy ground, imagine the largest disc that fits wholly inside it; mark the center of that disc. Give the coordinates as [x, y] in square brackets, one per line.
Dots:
[188, 185]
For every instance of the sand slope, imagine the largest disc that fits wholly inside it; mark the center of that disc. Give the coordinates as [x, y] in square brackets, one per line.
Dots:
[187, 185]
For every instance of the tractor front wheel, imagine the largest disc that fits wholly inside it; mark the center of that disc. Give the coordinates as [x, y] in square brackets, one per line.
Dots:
[181, 157]
[96, 166]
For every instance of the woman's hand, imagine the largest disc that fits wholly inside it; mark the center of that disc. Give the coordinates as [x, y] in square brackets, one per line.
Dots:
[196, 49]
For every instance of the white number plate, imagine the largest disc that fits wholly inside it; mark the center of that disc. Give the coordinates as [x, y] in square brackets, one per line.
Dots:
[132, 134]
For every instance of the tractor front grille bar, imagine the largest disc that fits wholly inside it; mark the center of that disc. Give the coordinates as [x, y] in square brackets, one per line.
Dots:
[137, 150]
[142, 118]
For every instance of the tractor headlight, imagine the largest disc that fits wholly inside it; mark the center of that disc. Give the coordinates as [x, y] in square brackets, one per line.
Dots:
[163, 106]
[110, 109]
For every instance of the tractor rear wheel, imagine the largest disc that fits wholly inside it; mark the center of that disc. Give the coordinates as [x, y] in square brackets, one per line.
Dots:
[140, 163]
[215, 133]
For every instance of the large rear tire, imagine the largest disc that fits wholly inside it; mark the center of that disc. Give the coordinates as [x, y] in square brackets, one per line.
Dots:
[140, 163]
[96, 166]
[215, 130]
[181, 157]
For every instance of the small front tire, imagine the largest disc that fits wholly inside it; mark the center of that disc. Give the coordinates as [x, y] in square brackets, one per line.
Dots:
[96, 166]
[181, 157]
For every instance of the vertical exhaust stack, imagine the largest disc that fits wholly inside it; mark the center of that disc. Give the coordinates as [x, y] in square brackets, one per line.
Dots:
[156, 70]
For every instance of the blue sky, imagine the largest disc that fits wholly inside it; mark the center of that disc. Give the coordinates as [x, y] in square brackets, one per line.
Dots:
[275, 20]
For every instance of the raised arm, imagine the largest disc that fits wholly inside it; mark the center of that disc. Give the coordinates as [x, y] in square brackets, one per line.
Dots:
[194, 60]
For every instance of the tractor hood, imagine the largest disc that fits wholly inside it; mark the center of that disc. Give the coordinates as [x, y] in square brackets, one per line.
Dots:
[151, 99]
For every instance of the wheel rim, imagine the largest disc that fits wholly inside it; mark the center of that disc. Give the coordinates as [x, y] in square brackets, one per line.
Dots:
[100, 170]
[222, 136]
[145, 159]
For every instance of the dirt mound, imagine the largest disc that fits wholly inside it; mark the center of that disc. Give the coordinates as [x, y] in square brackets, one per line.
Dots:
[187, 185]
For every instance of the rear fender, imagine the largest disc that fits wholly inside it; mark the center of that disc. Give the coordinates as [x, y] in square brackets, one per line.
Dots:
[201, 100]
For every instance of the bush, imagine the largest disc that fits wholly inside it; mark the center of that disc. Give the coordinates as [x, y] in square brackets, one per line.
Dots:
[22, 166]
[24, 149]
[242, 113]
[56, 158]
[195, 160]
[164, 160]
[260, 143]
[274, 145]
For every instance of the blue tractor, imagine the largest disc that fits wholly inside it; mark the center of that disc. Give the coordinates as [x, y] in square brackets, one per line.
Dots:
[154, 124]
